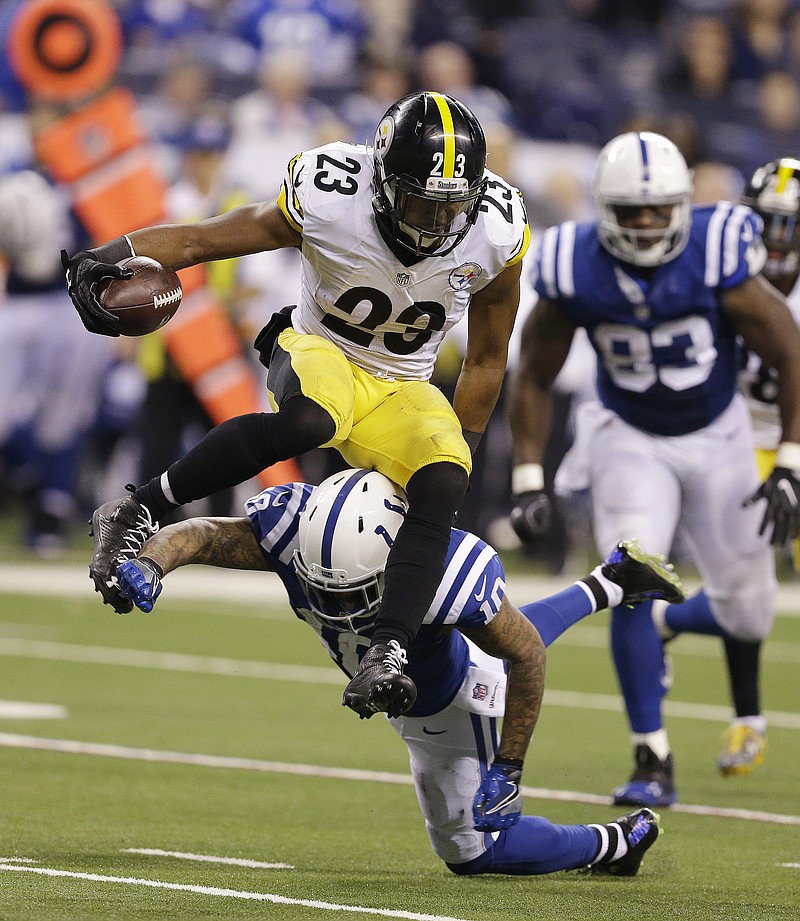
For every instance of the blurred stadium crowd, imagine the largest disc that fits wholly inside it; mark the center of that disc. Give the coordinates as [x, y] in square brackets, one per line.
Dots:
[230, 90]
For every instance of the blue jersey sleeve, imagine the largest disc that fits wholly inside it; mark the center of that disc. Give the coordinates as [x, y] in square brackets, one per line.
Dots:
[274, 515]
[473, 586]
[734, 248]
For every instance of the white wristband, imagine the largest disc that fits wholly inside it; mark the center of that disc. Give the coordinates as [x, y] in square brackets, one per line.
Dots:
[530, 477]
[788, 455]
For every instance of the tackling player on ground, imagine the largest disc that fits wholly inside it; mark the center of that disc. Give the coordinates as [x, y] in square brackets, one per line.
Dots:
[476, 657]
[399, 242]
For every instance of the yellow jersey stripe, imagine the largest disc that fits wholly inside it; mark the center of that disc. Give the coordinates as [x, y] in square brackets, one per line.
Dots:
[283, 205]
[288, 201]
[521, 248]
[785, 173]
[448, 167]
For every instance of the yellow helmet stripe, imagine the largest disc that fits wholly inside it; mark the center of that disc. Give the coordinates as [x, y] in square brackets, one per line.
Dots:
[449, 165]
[785, 173]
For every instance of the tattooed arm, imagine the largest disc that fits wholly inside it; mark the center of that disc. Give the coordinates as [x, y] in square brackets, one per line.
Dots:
[228, 542]
[511, 636]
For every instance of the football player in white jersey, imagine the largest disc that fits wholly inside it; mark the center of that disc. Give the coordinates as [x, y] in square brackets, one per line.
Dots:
[329, 546]
[398, 242]
[664, 291]
[773, 192]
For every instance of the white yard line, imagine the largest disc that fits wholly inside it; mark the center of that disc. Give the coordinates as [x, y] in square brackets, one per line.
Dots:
[321, 674]
[224, 893]
[22, 710]
[225, 762]
[169, 661]
[208, 858]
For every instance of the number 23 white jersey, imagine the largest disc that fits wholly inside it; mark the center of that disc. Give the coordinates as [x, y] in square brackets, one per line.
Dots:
[388, 318]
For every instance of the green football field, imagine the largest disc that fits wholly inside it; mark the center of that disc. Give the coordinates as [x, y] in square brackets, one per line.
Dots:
[196, 763]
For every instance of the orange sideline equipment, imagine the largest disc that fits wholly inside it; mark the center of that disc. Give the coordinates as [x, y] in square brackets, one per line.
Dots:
[67, 51]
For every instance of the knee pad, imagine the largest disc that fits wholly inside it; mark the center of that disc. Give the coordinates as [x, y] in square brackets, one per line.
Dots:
[746, 618]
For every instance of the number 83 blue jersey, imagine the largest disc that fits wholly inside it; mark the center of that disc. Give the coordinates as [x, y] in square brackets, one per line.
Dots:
[667, 353]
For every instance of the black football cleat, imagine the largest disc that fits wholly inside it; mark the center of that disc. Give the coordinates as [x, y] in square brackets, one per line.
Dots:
[120, 528]
[642, 576]
[639, 831]
[379, 685]
[651, 783]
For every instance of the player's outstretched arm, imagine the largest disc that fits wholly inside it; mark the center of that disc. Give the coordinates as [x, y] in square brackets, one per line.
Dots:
[225, 542]
[250, 229]
[510, 636]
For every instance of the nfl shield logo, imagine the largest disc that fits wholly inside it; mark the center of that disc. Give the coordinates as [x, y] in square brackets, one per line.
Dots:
[403, 278]
[480, 691]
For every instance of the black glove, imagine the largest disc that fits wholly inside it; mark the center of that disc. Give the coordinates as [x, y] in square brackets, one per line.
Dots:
[781, 489]
[83, 273]
[532, 515]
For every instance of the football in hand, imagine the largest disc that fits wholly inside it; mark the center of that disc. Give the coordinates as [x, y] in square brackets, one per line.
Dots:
[144, 302]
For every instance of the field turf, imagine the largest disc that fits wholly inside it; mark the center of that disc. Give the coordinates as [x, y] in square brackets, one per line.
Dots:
[192, 750]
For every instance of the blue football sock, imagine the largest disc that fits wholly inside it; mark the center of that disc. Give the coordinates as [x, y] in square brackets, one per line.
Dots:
[553, 615]
[533, 846]
[639, 662]
[693, 616]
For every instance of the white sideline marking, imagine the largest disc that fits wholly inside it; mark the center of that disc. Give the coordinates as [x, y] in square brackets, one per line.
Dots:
[226, 893]
[789, 866]
[206, 858]
[169, 661]
[329, 675]
[229, 762]
[22, 710]
[207, 583]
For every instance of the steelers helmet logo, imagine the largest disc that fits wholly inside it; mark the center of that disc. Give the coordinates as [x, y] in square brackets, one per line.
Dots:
[384, 136]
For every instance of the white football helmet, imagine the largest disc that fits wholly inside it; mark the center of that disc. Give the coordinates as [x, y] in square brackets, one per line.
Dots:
[637, 169]
[345, 533]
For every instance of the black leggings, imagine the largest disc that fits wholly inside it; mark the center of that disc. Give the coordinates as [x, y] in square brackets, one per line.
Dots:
[416, 562]
[240, 449]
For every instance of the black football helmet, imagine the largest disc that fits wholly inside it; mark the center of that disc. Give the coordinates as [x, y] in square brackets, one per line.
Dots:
[773, 192]
[430, 157]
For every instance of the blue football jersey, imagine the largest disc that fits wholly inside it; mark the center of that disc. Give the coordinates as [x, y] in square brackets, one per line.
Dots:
[667, 353]
[470, 594]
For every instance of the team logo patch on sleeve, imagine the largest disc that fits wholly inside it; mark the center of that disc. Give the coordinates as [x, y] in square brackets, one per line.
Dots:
[465, 276]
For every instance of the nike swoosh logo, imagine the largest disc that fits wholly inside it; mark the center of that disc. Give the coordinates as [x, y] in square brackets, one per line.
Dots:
[479, 594]
[433, 732]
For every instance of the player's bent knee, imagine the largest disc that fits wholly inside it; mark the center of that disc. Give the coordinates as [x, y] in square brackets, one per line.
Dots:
[748, 622]
[441, 484]
[480, 864]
